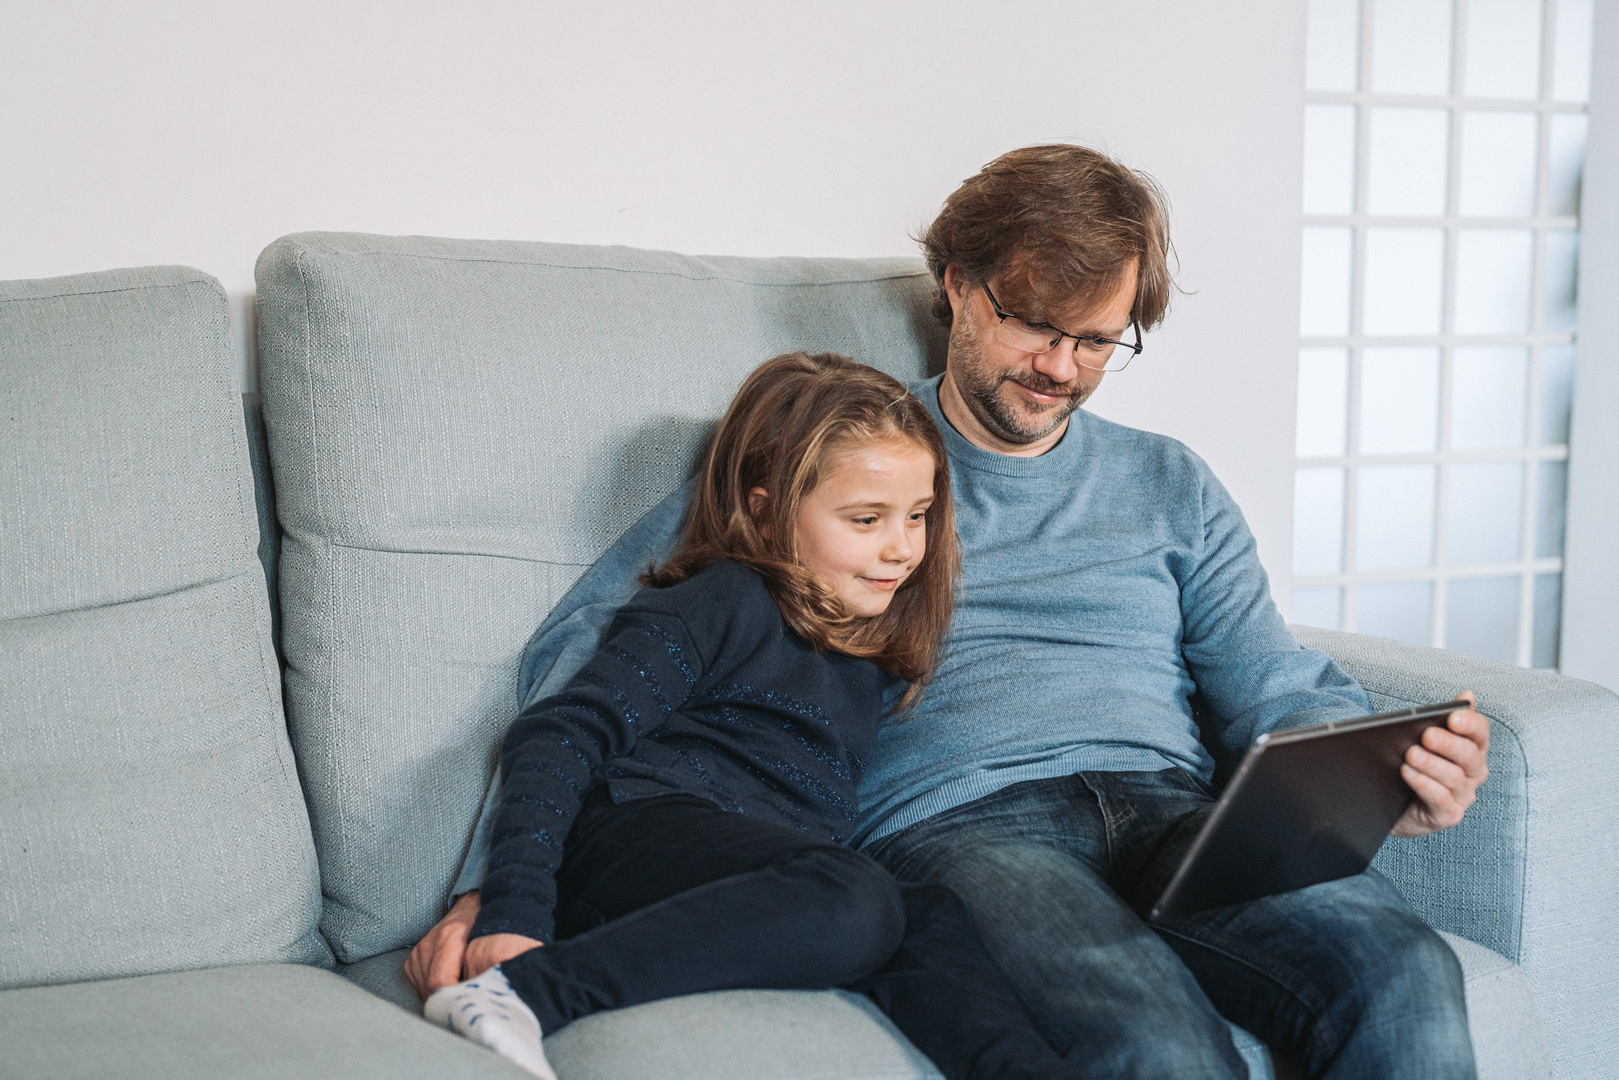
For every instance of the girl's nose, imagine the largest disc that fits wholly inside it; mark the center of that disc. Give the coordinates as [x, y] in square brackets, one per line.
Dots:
[899, 548]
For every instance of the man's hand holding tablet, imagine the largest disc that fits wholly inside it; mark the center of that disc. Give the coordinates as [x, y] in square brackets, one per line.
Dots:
[1444, 770]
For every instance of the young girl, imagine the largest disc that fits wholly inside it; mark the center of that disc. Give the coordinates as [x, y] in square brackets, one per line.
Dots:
[674, 820]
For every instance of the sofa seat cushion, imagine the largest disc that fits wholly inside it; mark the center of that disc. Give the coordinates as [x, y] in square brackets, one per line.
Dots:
[787, 1035]
[150, 812]
[274, 1021]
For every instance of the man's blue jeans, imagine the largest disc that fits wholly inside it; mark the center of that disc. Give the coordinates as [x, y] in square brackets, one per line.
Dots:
[1057, 874]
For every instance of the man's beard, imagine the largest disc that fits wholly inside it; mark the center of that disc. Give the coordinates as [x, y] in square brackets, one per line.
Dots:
[980, 387]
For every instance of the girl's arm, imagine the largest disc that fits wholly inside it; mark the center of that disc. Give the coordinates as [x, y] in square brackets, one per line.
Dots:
[645, 667]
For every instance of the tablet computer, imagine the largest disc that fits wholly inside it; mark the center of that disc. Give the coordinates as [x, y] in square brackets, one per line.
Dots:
[1306, 805]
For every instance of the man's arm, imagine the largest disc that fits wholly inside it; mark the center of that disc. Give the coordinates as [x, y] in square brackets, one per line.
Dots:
[1252, 675]
[1257, 679]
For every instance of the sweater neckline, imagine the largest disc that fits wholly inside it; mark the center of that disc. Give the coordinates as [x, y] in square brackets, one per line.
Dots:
[965, 453]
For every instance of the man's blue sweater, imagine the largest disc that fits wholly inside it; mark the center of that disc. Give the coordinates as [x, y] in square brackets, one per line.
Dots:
[1113, 611]
[1112, 599]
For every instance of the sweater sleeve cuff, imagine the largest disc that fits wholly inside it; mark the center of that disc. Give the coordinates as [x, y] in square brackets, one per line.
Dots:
[512, 917]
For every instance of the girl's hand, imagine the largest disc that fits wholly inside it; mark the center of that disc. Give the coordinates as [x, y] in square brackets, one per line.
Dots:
[437, 959]
[485, 952]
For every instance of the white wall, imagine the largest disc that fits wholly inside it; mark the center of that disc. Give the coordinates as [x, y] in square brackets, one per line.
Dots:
[198, 132]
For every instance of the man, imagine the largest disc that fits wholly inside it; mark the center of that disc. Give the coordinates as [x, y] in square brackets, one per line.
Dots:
[1114, 634]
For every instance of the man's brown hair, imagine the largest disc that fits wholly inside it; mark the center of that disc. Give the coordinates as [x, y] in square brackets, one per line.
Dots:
[791, 417]
[1065, 221]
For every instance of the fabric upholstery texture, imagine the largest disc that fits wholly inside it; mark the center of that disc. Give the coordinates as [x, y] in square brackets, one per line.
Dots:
[1508, 1031]
[764, 1031]
[150, 813]
[740, 1035]
[459, 428]
[269, 1022]
[1532, 871]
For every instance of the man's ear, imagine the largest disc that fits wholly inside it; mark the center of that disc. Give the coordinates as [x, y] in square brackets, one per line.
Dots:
[955, 287]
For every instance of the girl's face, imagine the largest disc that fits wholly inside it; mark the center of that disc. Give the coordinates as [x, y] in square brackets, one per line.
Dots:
[863, 530]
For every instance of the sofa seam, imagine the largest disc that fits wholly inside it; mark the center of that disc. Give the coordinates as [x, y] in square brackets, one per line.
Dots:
[204, 279]
[301, 250]
[347, 546]
[332, 936]
[141, 599]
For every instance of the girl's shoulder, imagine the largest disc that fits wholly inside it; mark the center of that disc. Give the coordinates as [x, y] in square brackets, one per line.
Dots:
[722, 593]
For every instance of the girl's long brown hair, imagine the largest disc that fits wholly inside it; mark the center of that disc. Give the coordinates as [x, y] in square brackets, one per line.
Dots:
[791, 416]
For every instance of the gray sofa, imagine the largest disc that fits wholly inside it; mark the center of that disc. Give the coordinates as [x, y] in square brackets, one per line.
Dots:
[254, 660]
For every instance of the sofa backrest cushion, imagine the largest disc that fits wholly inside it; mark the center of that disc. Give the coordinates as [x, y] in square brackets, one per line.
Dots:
[150, 812]
[458, 429]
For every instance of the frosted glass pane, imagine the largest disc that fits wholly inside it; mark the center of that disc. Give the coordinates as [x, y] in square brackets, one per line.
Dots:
[1503, 48]
[1486, 512]
[1498, 164]
[1553, 510]
[1556, 393]
[1492, 281]
[1395, 512]
[1562, 264]
[1571, 58]
[1408, 154]
[1399, 400]
[1320, 605]
[1411, 47]
[1323, 402]
[1329, 159]
[1318, 521]
[1398, 609]
[1481, 618]
[1567, 163]
[1488, 389]
[1324, 293]
[1404, 274]
[1548, 620]
[1331, 61]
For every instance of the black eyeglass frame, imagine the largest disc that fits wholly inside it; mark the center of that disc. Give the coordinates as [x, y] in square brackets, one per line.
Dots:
[1135, 350]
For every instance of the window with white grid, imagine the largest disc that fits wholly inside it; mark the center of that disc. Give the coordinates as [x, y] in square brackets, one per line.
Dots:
[1444, 142]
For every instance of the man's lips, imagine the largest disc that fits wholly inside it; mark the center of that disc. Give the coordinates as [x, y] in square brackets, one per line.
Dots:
[1049, 395]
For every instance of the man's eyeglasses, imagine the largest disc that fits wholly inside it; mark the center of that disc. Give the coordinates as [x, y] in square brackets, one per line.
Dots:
[1091, 351]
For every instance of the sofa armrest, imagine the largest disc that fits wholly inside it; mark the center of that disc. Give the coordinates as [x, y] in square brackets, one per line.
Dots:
[1532, 872]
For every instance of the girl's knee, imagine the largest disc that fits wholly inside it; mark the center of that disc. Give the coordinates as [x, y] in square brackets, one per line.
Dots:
[857, 904]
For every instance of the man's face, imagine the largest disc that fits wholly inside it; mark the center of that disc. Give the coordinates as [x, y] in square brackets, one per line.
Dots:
[1017, 401]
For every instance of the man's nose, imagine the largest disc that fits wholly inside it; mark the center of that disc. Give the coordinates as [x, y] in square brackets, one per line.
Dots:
[1058, 362]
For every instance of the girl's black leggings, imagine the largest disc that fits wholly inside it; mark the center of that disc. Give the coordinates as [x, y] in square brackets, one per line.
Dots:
[671, 895]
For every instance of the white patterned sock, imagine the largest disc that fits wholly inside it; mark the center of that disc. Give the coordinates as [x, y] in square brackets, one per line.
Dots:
[488, 1011]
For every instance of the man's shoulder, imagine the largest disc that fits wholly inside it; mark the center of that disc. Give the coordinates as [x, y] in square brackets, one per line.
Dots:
[1134, 447]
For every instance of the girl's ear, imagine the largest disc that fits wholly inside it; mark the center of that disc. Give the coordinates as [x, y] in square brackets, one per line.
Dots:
[757, 498]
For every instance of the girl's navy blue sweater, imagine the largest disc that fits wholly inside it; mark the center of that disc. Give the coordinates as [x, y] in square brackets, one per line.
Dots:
[699, 688]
